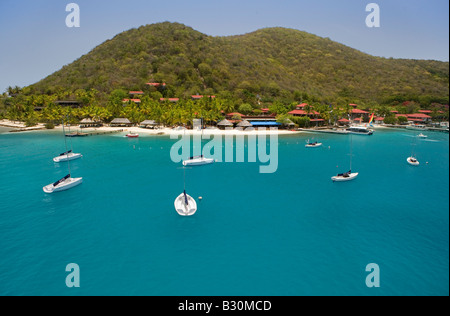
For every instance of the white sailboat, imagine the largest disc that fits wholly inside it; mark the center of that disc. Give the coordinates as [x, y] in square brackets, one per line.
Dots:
[68, 154]
[198, 160]
[347, 176]
[310, 144]
[412, 160]
[185, 205]
[65, 183]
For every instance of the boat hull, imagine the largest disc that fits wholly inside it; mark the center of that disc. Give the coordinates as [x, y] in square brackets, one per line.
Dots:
[132, 135]
[412, 163]
[351, 176]
[68, 157]
[63, 186]
[183, 209]
[314, 146]
[198, 162]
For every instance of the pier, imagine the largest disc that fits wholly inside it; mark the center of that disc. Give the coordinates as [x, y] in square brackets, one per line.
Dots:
[80, 134]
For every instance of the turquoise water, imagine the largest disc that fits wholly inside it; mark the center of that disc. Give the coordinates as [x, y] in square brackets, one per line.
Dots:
[293, 232]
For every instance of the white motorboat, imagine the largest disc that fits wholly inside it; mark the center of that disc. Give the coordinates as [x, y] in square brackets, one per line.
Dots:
[65, 183]
[67, 156]
[422, 136]
[348, 176]
[198, 161]
[413, 161]
[313, 145]
[185, 205]
[360, 130]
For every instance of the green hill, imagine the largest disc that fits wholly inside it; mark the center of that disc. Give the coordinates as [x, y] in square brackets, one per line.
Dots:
[274, 63]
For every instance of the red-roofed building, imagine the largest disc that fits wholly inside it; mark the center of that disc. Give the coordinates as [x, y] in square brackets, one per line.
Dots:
[132, 100]
[419, 116]
[303, 113]
[170, 99]
[425, 111]
[230, 115]
[301, 106]
[198, 97]
[136, 92]
[357, 114]
[353, 105]
[156, 84]
[343, 121]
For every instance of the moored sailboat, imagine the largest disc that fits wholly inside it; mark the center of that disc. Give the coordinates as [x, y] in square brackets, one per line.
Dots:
[67, 182]
[68, 154]
[198, 160]
[185, 205]
[347, 176]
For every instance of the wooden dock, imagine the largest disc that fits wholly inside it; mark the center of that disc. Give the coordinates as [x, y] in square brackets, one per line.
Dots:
[80, 134]
[329, 131]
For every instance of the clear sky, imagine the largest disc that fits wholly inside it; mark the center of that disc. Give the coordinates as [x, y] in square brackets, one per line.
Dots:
[35, 41]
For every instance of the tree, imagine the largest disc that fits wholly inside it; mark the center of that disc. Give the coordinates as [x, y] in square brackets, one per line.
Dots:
[245, 108]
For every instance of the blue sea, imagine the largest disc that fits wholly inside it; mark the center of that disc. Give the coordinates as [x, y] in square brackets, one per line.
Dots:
[293, 232]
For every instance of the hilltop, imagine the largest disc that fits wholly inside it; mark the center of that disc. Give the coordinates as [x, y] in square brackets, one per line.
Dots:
[273, 63]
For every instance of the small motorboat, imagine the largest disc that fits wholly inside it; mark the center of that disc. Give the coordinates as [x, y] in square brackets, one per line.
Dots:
[422, 136]
[348, 176]
[185, 205]
[65, 183]
[198, 161]
[413, 161]
[132, 135]
[67, 156]
[313, 145]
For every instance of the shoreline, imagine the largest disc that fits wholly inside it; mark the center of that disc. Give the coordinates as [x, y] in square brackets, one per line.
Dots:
[20, 127]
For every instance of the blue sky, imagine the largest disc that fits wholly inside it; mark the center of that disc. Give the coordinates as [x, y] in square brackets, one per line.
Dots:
[35, 41]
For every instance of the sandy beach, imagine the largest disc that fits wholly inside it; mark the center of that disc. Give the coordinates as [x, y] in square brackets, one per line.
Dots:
[144, 131]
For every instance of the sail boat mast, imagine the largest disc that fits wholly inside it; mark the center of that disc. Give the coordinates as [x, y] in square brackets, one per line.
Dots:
[351, 151]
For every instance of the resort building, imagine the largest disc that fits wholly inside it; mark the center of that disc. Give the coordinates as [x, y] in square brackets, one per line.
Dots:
[344, 121]
[198, 97]
[169, 99]
[301, 113]
[359, 115]
[230, 115]
[121, 122]
[378, 120]
[417, 118]
[301, 106]
[148, 124]
[225, 123]
[133, 94]
[88, 122]
[72, 104]
[137, 101]
[156, 84]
